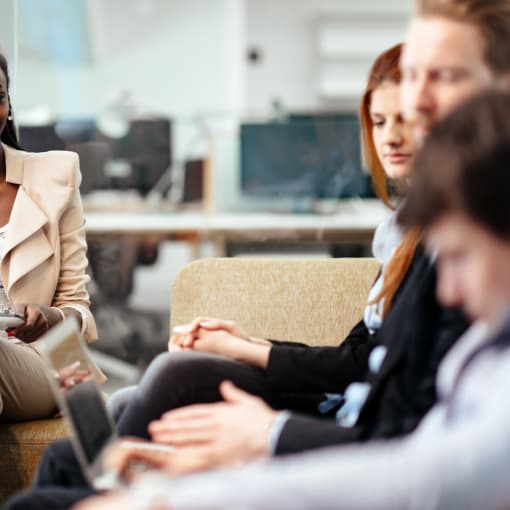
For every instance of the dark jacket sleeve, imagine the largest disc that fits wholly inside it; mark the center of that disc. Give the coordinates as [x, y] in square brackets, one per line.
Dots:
[320, 369]
[405, 392]
[303, 433]
[418, 332]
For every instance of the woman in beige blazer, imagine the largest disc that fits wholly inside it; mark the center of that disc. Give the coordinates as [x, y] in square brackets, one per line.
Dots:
[42, 261]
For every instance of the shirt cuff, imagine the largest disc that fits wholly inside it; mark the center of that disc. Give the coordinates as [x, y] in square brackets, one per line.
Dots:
[83, 317]
[276, 429]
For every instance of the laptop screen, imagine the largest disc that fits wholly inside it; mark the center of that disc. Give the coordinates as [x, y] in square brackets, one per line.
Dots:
[90, 419]
[77, 391]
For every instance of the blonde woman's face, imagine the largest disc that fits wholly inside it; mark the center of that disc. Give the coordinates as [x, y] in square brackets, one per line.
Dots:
[392, 136]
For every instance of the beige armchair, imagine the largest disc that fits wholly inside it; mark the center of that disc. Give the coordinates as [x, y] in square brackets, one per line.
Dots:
[314, 301]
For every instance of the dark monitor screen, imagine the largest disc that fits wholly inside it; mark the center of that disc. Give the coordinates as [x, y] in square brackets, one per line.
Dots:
[76, 130]
[40, 138]
[317, 156]
[146, 149]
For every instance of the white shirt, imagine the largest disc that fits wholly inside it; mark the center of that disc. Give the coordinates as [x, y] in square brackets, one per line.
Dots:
[387, 237]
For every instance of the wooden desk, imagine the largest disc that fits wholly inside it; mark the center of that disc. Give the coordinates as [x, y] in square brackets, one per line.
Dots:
[354, 222]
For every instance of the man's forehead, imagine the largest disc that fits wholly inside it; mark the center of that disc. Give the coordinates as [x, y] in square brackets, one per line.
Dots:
[3, 81]
[440, 42]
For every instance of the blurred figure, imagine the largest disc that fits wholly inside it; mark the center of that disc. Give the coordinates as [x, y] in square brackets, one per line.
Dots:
[459, 457]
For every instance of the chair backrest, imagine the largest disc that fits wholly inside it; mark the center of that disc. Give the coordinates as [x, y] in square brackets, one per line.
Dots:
[316, 301]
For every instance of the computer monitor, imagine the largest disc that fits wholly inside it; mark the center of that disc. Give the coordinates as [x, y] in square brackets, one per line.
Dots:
[147, 149]
[40, 138]
[56, 135]
[76, 130]
[316, 156]
[144, 154]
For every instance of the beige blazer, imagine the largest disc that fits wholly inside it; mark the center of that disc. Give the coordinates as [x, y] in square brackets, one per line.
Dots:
[45, 257]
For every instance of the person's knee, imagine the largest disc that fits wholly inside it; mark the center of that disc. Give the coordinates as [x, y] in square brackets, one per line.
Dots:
[60, 449]
[176, 368]
[58, 456]
[25, 391]
[118, 401]
[47, 462]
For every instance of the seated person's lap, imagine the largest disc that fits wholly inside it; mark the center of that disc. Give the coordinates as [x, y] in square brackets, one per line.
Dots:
[25, 393]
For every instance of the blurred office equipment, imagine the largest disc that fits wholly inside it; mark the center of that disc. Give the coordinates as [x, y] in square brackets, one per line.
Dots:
[146, 148]
[94, 157]
[135, 161]
[76, 130]
[305, 155]
[193, 188]
[40, 138]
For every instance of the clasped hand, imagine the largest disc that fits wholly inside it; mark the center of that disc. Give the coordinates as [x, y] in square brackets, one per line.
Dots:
[218, 337]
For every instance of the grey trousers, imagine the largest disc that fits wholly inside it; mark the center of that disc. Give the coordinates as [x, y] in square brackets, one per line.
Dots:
[25, 392]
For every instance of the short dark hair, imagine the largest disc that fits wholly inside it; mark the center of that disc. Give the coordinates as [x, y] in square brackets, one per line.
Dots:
[8, 136]
[464, 167]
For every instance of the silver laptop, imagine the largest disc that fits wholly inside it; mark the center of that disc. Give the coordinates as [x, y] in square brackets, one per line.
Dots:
[79, 397]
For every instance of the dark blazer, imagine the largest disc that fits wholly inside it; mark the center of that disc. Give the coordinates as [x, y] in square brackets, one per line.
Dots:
[417, 333]
[297, 368]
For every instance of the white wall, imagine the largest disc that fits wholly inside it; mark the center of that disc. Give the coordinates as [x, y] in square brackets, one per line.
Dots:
[8, 35]
[187, 59]
[287, 33]
[178, 58]
[183, 57]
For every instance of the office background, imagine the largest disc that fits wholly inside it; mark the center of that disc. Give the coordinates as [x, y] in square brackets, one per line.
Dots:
[202, 66]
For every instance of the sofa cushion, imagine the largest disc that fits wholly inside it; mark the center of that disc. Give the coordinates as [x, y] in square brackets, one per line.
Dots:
[21, 447]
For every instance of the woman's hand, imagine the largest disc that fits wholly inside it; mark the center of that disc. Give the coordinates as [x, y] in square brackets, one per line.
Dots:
[189, 333]
[132, 457]
[38, 320]
[215, 342]
[198, 329]
[71, 375]
[223, 338]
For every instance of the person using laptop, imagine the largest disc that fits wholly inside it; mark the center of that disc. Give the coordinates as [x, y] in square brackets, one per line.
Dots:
[317, 370]
[388, 150]
[454, 50]
[42, 263]
[276, 371]
[458, 457]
